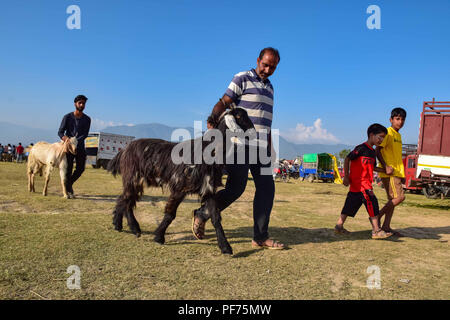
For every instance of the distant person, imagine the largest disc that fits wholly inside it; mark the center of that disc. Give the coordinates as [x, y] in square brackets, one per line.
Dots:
[75, 124]
[4, 154]
[9, 153]
[27, 151]
[390, 155]
[358, 173]
[19, 153]
[1, 152]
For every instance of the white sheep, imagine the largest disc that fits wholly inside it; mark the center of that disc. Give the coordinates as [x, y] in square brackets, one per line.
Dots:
[51, 156]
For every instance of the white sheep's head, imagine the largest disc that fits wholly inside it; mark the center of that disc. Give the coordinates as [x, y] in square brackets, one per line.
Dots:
[70, 145]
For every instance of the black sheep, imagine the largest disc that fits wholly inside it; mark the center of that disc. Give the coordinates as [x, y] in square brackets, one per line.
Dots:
[150, 162]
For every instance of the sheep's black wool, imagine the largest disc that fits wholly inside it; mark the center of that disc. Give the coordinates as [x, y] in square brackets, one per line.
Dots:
[148, 162]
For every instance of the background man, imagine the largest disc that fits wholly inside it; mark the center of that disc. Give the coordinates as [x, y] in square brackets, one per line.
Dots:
[75, 124]
[19, 153]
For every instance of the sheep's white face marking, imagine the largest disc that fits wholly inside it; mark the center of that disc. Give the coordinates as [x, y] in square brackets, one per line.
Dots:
[232, 125]
[230, 121]
[207, 187]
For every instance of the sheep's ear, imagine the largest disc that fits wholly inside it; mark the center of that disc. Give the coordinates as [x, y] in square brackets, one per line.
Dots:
[66, 146]
[230, 121]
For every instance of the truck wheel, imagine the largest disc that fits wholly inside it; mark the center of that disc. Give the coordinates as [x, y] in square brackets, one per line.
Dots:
[431, 192]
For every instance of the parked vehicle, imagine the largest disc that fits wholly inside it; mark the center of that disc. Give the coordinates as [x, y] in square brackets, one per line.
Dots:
[281, 174]
[102, 147]
[432, 160]
[317, 166]
[294, 171]
[409, 162]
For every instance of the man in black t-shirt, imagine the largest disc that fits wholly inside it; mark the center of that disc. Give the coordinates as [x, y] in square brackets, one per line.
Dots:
[75, 124]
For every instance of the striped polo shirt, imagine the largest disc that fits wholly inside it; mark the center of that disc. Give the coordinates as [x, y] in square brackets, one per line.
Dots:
[250, 92]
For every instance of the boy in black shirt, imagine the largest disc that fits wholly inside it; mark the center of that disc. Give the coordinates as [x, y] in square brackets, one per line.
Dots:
[75, 124]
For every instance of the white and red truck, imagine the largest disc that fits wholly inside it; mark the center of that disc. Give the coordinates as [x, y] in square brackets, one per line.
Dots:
[429, 168]
[102, 147]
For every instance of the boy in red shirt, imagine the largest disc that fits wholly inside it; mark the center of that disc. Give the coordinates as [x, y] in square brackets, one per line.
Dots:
[361, 162]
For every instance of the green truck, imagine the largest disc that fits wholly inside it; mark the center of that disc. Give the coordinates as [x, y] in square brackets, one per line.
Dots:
[317, 166]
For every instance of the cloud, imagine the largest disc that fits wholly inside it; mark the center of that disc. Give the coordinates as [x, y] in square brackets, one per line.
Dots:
[313, 134]
[97, 124]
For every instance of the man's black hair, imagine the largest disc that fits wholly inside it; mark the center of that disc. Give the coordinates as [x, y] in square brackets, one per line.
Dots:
[376, 128]
[398, 112]
[79, 98]
[271, 50]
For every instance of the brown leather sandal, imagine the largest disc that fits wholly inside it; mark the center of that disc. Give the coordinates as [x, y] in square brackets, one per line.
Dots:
[394, 233]
[263, 245]
[340, 230]
[380, 234]
[198, 227]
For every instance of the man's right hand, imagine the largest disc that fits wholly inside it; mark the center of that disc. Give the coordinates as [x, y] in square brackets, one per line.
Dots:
[346, 181]
[389, 170]
[64, 138]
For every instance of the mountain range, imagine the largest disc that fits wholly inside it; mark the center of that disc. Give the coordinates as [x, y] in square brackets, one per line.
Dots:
[288, 150]
[13, 134]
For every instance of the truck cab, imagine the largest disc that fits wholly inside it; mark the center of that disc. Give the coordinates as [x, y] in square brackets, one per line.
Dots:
[409, 155]
[411, 182]
[433, 152]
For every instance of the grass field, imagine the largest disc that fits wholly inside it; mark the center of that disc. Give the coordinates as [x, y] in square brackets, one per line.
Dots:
[40, 237]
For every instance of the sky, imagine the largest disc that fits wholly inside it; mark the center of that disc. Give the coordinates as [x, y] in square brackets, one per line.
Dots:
[170, 61]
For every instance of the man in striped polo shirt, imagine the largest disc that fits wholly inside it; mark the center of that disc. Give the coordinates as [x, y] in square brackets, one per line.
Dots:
[252, 91]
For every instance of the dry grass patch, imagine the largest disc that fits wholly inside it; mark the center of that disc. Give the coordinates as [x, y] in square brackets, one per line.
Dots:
[41, 236]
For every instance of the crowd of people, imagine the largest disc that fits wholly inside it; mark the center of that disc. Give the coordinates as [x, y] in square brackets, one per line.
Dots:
[10, 153]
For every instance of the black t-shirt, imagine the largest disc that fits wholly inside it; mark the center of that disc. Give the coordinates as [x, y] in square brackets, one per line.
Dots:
[71, 127]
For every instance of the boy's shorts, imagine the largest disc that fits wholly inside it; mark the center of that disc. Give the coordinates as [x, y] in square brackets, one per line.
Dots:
[393, 187]
[356, 199]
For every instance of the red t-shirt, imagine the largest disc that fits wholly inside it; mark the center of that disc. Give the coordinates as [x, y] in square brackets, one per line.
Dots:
[363, 161]
[19, 149]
